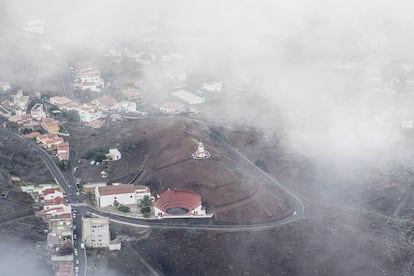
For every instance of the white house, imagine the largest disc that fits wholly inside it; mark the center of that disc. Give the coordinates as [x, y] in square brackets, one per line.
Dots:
[38, 112]
[213, 86]
[188, 97]
[20, 103]
[122, 193]
[114, 154]
[88, 112]
[126, 106]
[105, 103]
[172, 108]
[38, 187]
[90, 78]
[95, 232]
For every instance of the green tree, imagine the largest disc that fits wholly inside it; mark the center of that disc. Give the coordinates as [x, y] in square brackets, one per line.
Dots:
[99, 157]
[145, 202]
[71, 115]
[116, 203]
[123, 208]
[146, 211]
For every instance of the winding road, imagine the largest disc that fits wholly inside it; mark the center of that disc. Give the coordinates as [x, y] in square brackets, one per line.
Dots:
[197, 223]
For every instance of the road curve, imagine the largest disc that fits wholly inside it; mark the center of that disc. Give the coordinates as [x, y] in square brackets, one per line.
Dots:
[196, 223]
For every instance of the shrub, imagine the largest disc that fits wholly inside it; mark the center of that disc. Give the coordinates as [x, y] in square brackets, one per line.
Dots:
[123, 208]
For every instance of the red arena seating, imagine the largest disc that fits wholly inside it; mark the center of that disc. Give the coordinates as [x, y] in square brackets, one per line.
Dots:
[178, 202]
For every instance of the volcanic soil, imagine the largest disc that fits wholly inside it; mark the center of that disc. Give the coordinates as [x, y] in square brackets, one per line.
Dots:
[231, 189]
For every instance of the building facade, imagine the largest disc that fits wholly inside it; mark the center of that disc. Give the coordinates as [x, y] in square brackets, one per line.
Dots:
[95, 232]
[125, 194]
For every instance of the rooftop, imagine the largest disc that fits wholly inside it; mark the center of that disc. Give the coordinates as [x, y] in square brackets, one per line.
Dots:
[55, 201]
[187, 96]
[59, 100]
[51, 191]
[106, 101]
[172, 105]
[119, 189]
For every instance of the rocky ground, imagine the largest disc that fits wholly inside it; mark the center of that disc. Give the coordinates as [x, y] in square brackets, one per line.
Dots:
[356, 223]
[350, 227]
[230, 188]
[21, 232]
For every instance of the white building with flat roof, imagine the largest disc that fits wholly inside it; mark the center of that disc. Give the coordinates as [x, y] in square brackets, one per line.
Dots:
[95, 232]
[213, 86]
[38, 112]
[114, 154]
[126, 106]
[172, 108]
[188, 97]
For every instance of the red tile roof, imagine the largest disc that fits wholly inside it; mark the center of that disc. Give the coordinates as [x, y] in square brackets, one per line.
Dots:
[55, 201]
[172, 105]
[178, 199]
[120, 189]
[50, 191]
[106, 101]
[33, 135]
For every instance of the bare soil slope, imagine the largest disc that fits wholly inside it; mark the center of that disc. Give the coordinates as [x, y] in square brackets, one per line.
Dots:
[232, 189]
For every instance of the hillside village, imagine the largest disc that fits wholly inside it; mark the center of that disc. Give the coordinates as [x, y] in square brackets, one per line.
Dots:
[156, 159]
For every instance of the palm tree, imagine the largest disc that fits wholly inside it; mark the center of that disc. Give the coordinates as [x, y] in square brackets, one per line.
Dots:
[116, 203]
[145, 201]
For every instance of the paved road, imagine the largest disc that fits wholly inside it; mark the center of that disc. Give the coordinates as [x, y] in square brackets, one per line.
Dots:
[196, 223]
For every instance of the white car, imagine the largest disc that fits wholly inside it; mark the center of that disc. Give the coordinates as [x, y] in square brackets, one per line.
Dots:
[77, 262]
[77, 268]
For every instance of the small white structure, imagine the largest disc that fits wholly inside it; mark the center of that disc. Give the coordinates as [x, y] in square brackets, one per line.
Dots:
[172, 108]
[126, 106]
[88, 112]
[212, 86]
[38, 112]
[114, 245]
[201, 153]
[188, 97]
[114, 155]
[95, 232]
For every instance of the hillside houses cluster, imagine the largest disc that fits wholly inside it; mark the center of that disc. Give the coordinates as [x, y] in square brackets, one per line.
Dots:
[52, 143]
[58, 215]
[88, 77]
[88, 112]
[17, 105]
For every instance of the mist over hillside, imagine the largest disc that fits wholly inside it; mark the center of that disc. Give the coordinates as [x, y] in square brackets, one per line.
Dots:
[326, 86]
